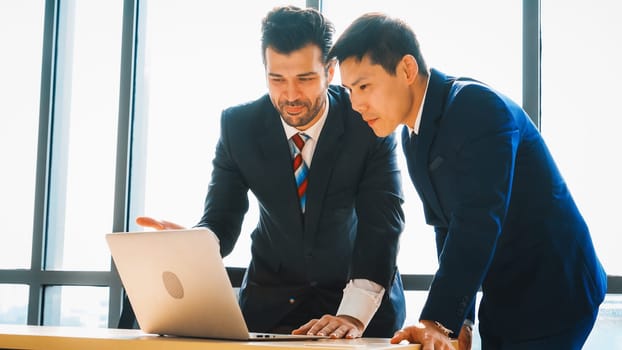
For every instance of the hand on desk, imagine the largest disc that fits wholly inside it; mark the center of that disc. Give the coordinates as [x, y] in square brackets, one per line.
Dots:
[431, 337]
[341, 326]
[146, 221]
[465, 339]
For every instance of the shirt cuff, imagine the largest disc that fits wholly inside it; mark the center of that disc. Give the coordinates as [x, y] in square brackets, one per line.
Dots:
[468, 323]
[361, 300]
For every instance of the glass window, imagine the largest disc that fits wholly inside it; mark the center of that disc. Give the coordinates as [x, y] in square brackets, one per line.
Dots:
[606, 332]
[76, 306]
[581, 119]
[456, 38]
[85, 134]
[21, 35]
[198, 61]
[13, 303]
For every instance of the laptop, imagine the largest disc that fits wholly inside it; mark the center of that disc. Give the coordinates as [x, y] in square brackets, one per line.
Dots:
[177, 285]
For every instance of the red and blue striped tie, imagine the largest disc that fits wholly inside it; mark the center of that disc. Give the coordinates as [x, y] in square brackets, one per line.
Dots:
[297, 142]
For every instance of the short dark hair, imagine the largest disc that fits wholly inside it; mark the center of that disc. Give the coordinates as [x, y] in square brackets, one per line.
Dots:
[289, 28]
[385, 39]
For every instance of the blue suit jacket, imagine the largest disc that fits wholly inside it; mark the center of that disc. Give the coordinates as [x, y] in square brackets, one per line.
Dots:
[352, 222]
[503, 216]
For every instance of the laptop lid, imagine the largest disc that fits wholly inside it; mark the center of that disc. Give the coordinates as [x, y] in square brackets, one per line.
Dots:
[177, 285]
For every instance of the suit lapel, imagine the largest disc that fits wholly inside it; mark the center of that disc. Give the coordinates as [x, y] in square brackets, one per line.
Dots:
[432, 111]
[277, 161]
[326, 152]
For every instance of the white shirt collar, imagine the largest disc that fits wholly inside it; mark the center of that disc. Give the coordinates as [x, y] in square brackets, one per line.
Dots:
[417, 125]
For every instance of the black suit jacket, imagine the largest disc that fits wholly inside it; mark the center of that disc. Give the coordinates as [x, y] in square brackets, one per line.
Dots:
[350, 228]
[504, 217]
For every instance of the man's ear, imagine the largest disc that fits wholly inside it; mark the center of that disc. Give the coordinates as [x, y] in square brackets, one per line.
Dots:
[330, 69]
[409, 67]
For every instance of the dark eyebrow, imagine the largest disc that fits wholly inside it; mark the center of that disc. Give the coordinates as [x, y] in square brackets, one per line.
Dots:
[355, 83]
[307, 74]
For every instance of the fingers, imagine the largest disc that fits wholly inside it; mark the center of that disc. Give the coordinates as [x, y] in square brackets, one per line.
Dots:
[304, 329]
[345, 331]
[171, 225]
[353, 333]
[332, 326]
[312, 327]
[399, 336]
[465, 339]
[322, 326]
[428, 340]
[146, 221]
[339, 332]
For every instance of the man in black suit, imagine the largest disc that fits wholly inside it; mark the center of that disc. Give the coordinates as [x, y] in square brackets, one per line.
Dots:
[324, 249]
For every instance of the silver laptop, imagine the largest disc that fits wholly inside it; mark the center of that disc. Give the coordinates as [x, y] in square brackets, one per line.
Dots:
[177, 285]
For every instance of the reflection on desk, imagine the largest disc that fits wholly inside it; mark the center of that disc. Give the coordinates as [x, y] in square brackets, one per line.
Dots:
[77, 338]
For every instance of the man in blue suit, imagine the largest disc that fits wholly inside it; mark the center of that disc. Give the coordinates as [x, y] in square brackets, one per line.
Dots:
[324, 251]
[504, 218]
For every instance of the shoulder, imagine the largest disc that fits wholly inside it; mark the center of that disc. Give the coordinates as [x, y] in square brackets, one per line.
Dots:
[474, 95]
[352, 121]
[247, 111]
[475, 103]
[460, 91]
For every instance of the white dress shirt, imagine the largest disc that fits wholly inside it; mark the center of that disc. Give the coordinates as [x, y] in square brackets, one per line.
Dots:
[417, 125]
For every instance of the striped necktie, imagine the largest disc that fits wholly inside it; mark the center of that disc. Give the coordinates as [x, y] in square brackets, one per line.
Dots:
[297, 142]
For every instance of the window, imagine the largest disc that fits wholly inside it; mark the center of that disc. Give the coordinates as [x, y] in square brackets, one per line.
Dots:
[581, 122]
[21, 34]
[581, 118]
[84, 135]
[14, 306]
[77, 306]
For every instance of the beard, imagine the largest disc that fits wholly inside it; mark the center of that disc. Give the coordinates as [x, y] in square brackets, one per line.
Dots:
[308, 111]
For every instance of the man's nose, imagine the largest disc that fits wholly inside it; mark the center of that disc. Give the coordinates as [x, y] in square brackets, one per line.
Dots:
[357, 103]
[292, 91]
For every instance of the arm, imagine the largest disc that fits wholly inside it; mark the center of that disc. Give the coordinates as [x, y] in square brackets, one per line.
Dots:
[380, 216]
[361, 299]
[481, 145]
[227, 200]
[380, 223]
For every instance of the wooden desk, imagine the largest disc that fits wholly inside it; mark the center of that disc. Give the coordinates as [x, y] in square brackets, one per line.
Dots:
[74, 338]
